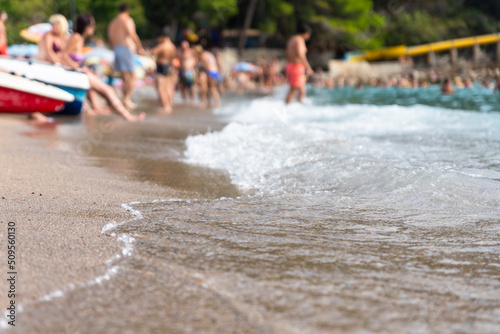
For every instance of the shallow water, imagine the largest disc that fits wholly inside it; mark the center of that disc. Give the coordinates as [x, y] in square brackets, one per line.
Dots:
[373, 211]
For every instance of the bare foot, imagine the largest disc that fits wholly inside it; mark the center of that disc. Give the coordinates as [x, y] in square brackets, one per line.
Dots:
[130, 105]
[103, 110]
[136, 118]
[166, 110]
[89, 111]
[40, 118]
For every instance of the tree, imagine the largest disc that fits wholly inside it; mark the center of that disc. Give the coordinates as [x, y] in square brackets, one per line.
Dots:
[105, 10]
[248, 21]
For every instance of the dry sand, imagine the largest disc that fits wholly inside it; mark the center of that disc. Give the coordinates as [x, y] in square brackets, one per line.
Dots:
[59, 211]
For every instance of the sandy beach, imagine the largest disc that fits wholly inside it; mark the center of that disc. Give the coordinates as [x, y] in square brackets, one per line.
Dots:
[61, 186]
[59, 211]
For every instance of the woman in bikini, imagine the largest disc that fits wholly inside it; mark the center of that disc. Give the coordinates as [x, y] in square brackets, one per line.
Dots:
[72, 56]
[49, 50]
[54, 41]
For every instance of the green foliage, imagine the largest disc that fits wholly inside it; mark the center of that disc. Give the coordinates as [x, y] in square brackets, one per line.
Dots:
[218, 11]
[413, 29]
[271, 12]
[160, 13]
[414, 23]
[362, 24]
[105, 10]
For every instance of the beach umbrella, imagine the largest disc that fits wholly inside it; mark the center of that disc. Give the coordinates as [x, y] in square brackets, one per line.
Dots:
[35, 32]
[244, 67]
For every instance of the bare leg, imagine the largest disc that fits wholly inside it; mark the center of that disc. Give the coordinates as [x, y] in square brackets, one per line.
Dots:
[302, 93]
[290, 94]
[184, 93]
[128, 86]
[164, 92]
[190, 92]
[40, 118]
[203, 90]
[169, 92]
[212, 83]
[96, 107]
[110, 95]
[160, 87]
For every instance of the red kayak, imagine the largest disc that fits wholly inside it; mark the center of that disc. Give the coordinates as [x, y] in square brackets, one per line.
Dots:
[21, 95]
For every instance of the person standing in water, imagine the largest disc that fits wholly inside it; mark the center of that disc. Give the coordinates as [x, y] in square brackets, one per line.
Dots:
[124, 41]
[187, 72]
[164, 53]
[297, 63]
[209, 77]
[3, 33]
[447, 88]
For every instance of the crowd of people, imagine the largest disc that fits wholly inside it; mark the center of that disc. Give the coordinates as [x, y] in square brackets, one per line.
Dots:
[182, 68]
[198, 74]
[413, 80]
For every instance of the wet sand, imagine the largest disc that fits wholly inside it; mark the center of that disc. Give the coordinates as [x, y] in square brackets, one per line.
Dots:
[59, 211]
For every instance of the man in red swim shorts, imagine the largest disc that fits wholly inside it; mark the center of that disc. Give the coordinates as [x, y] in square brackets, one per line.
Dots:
[3, 33]
[297, 63]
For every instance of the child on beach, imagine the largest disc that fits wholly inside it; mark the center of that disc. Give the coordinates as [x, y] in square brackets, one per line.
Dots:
[166, 74]
[209, 77]
[71, 56]
[187, 72]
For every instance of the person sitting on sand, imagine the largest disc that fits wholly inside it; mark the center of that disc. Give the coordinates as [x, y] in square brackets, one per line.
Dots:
[164, 53]
[297, 64]
[71, 56]
[209, 77]
[49, 49]
[54, 41]
[447, 88]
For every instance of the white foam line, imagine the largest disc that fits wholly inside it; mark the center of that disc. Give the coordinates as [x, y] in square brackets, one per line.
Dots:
[134, 212]
[127, 250]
